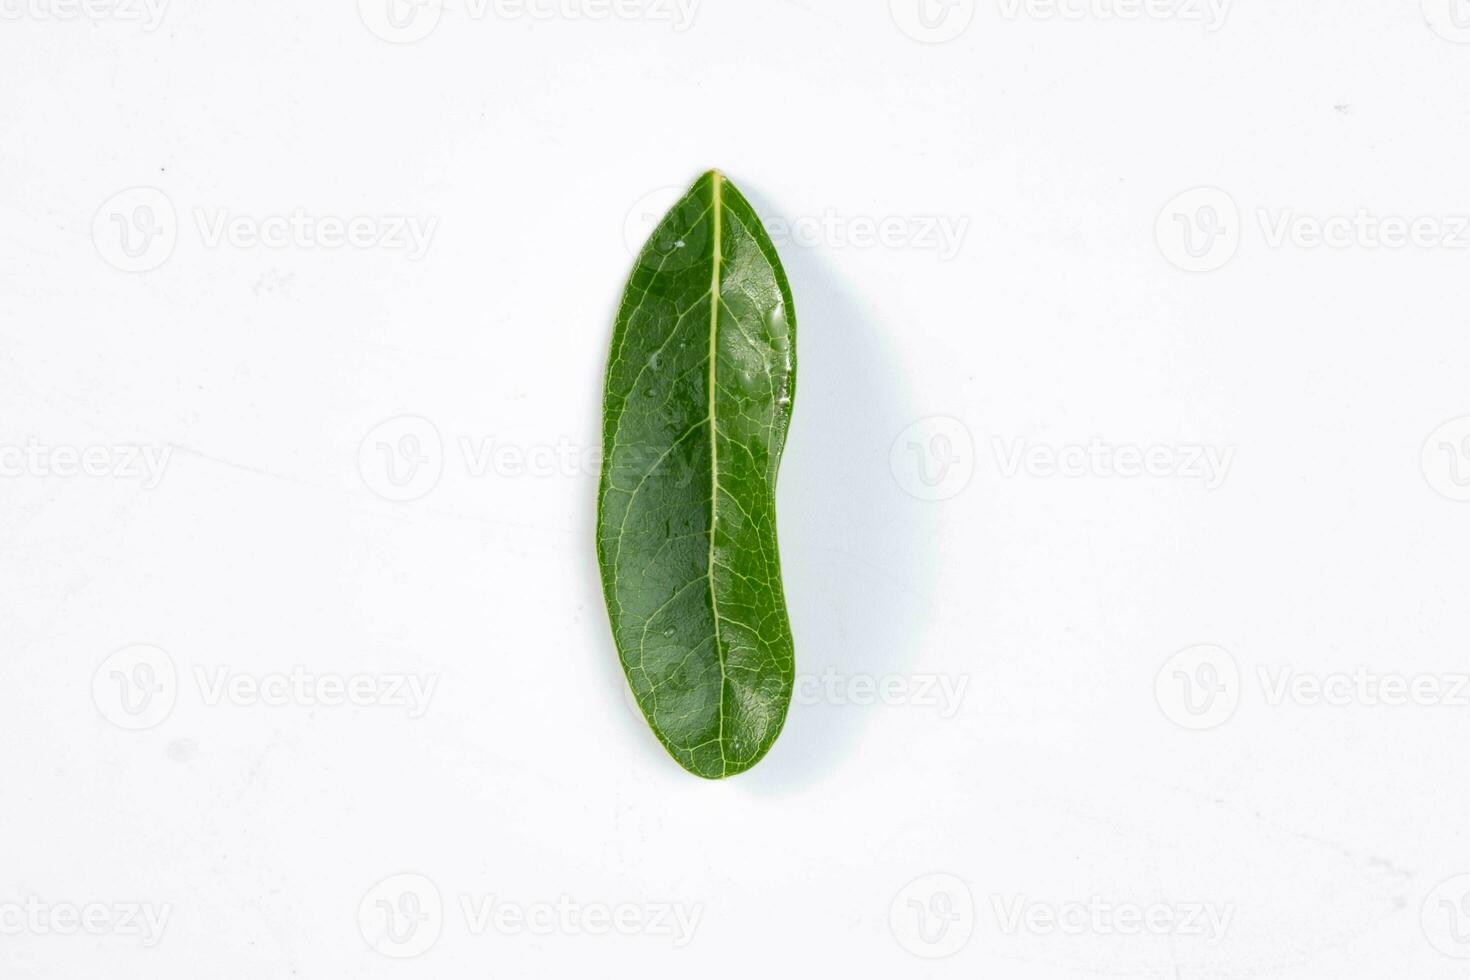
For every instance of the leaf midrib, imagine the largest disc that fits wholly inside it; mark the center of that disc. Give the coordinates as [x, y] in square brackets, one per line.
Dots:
[716, 183]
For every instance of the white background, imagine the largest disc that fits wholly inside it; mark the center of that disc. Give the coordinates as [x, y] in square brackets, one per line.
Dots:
[1076, 765]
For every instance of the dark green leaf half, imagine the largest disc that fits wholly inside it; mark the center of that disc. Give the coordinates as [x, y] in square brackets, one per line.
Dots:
[699, 389]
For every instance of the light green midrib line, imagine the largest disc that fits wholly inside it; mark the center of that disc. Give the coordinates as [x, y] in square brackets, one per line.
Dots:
[716, 183]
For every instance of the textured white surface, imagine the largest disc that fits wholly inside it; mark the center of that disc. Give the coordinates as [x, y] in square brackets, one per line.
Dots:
[438, 696]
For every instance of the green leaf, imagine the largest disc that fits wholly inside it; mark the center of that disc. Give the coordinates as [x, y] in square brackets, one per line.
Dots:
[699, 389]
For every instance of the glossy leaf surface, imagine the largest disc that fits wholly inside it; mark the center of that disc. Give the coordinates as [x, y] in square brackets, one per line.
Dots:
[700, 383]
